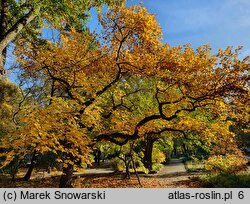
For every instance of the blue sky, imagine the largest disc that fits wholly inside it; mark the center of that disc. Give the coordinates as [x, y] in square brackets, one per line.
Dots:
[217, 22]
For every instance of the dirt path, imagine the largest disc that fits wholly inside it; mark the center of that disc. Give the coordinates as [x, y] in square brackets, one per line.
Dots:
[173, 175]
[175, 166]
[96, 171]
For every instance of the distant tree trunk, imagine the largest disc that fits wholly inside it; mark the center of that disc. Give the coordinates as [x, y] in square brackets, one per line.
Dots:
[133, 164]
[31, 167]
[174, 153]
[66, 178]
[127, 173]
[185, 149]
[98, 157]
[147, 160]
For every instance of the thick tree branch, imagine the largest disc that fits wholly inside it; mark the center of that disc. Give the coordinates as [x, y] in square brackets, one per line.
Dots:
[168, 129]
[114, 138]
[11, 34]
[3, 17]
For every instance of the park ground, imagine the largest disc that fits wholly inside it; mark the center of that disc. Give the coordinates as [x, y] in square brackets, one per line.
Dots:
[173, 175]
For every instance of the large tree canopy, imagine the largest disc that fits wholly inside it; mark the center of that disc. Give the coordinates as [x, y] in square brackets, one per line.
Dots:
[122, 85]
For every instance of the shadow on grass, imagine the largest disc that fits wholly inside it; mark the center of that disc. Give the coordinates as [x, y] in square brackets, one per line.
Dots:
[225, 181]
[171, 175]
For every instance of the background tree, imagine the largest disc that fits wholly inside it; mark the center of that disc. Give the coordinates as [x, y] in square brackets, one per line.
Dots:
[9, 97]
[25, 18]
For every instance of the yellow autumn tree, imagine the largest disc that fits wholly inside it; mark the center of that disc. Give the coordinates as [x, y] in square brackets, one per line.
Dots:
[79, 73]
[187, 80]
[9, 99]
[68, 72]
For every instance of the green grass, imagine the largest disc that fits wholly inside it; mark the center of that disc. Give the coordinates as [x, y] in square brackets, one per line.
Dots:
[225, 181]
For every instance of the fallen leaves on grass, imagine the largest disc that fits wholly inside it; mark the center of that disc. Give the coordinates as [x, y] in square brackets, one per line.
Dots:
[110, 181]
[115, 182]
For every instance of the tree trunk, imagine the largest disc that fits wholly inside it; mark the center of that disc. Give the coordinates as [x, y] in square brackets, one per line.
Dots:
[11, 34]
[126, 161]
[148, 163]
[133, 164]
[98, 157]
[174, 153]
[185, 149]
[66, 178]
[8, 35]
[31, 167]
[2, 62]
[3, 27]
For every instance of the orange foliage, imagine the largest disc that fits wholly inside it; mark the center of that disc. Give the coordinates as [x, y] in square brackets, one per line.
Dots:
[80, 69]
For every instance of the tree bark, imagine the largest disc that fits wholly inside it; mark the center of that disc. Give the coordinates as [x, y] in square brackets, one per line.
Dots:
[174, 152]
[133, 164]
[66, 178]
[98, 154]
[6, 36]
[148, 163]
[2, 63]
[31, 167]
[3, 17]
[3, 27]
[185, 149]
[11, 34]
[126, 162]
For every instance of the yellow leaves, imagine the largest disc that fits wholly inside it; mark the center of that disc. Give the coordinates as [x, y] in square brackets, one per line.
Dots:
[92, 116]
[78, 64]
[50, 129]
[68, 162]
[230, 163]
[9, 97]
[44, 149]
[59, 160]
[81, 68]
[132, 24]
[122, 120]
[153, 126]
[222, 129]
[7, 158]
